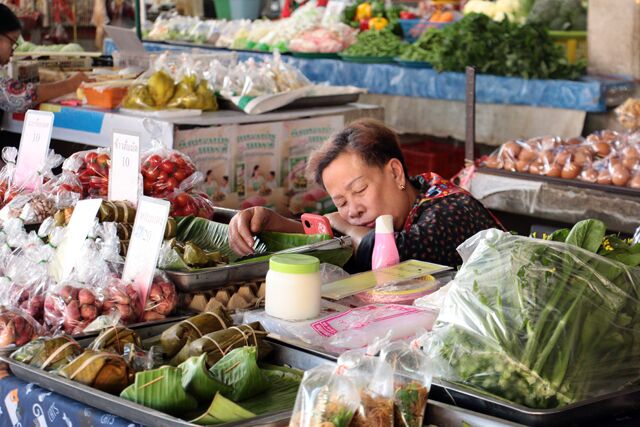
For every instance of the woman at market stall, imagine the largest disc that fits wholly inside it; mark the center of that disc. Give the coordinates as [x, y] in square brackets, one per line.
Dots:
[16, 96]
[363, 170]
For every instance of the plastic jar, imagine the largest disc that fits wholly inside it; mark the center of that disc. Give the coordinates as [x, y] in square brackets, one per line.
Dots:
[293, 287]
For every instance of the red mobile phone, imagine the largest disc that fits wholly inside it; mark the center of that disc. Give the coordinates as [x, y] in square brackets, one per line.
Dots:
[316, 224]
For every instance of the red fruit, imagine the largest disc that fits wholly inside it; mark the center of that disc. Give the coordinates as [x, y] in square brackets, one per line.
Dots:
[103, 160]
[171, 184]
[98, 182]
[180, 175]
[163, 176]
[148, 187]
[95, 169]
[168, 166]
[154, 160]
[181, 199]
[159, 189]
[90, 157]
[151, 174]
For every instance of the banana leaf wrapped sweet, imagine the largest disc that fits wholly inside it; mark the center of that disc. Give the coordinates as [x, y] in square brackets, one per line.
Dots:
[239, 370]
[48, 353]
[180, 335]
[105, 371]
[114, 339]
[198, 381]
[218, 344]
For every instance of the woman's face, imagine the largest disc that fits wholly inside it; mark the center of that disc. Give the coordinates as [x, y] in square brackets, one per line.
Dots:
[362, 192]
[7, 42]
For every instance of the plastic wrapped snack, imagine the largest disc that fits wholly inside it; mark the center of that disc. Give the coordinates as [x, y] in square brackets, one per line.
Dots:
[162, 299]
[17, 327]
[412, 373]
[93, 171]
[185, 201]
[542, 323]
[7, 192]
[163, 170]
[122, 298]
[49, 354]
[66, 189]
[629, 114]
[325, 399]
[71, 307]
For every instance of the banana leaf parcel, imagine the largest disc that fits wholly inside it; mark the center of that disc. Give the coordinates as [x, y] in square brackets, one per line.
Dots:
[239, 370]
[48, 353]
[198, 381]
[179, 335]
[108, 372]
[542, 323]
[114, 339]
[218, 344]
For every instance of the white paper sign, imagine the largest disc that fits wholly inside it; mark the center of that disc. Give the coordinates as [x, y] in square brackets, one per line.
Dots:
[144, 246]
[82, 219]
[125, 167]
[34, 145]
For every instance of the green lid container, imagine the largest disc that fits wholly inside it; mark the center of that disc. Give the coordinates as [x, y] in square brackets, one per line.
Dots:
[294, 264]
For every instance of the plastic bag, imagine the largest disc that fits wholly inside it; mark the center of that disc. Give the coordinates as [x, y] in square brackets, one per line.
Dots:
[540, 323]
[162, 300]
[17, 327]
[66, 189]
[403, 292]
[123, 298]
[72, 306]
[373, 377]
[7, 192]
[324, 399]
[412, 374]
[92, 172]
[28, 283]
[629, 114]
[163, 169]
[185, 201]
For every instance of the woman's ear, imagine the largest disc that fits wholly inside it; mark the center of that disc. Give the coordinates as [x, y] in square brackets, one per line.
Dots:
[397, 171]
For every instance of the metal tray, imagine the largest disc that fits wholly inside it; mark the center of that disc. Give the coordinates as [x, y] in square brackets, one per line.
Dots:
[282, 354]
[216, 277]
[578, 414]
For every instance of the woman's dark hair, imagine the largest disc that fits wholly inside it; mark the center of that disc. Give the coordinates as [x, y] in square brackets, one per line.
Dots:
[9, 22]
[375, 143]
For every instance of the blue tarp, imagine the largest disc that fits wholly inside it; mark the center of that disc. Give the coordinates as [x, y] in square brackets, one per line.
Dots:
[390, 79]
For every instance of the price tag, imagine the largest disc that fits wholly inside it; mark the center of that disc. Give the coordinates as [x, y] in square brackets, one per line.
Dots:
[125, 167]
[144, 246]
[82, 219]
[34, 145]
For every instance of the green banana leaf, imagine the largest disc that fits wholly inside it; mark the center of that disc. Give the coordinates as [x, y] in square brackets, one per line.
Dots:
[282, 394]
[239, 370]
[223, 410]
[198, 381]
[214, 236]
[160, 389]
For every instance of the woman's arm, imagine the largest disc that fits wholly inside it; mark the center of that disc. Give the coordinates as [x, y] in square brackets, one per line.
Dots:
[356, 233]
[18, 96]
[249, 222]
[48, 91]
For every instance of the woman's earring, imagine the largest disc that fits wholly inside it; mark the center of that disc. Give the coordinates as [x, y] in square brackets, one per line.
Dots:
[403, 187]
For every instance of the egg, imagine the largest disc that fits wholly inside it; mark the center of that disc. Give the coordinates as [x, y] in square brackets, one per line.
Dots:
[512, 148]
[620, 175]
[580, 158]
[602, 149]
[527, 154]
[570, 171]
[536, 168]
[635, 182]
[604, 177]
[522, 166]
[493, 162]
[589, 175]
[554, 171]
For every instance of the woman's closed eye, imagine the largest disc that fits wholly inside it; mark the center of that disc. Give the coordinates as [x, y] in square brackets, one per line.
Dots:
[360, 190]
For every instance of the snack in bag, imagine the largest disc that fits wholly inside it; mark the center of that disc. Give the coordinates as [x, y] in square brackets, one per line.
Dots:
[17, 327]
[48, 353]
[162, 299]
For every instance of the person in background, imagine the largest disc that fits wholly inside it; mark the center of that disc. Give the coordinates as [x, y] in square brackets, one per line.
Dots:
[16, 96]
[363, 170]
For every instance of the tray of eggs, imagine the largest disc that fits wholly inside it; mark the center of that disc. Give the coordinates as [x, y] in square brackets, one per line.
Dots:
[604, 158]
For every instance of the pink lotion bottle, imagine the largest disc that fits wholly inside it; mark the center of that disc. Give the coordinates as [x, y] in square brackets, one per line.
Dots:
[385, 252]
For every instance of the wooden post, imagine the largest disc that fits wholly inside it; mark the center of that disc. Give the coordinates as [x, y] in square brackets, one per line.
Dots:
[470, 116]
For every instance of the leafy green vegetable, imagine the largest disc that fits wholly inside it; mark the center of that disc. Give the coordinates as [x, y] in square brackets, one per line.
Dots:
[559, 15]
[543, 323]
[499, 48]
[376, 44]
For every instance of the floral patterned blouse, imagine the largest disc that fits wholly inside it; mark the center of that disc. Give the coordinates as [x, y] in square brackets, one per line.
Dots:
[16, 96]
[442, 217]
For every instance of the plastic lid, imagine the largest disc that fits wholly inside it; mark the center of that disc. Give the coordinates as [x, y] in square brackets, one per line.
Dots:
[384, 224]
[294, 264]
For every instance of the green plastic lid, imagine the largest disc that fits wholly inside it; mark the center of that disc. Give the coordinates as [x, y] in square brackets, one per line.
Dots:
[294, 264]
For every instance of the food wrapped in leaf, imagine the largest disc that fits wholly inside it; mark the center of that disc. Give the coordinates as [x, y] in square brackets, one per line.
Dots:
[223, 410]
[177, 336]
[239, 370]
[108, 372]
[198, 381]
[218, 344]
[142, 360]
[48, 353]
[114, 339]
[160, 389]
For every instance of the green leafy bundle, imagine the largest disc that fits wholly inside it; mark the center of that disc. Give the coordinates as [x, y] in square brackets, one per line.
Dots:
[498, 48]
[376, 44]
[543, 323]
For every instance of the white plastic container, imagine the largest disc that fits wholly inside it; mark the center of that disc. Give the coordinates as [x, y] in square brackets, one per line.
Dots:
[293, 287]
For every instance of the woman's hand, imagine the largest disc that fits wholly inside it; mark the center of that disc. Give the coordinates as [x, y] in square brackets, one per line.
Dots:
[356, 232]
[77, 79]
[246, 224]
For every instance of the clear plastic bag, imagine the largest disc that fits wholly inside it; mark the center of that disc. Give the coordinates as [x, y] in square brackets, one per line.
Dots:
[540, 323]
[629, 114]
[186, 201]
[122, 298]
[17, 327]
[7, 192]
[66, 189]
[71, 306]
[412, 374]
[92, 172]
[162, 300]
[325, 399]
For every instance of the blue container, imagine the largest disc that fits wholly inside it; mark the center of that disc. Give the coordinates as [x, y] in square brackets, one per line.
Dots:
[238, 9]
[412, 29]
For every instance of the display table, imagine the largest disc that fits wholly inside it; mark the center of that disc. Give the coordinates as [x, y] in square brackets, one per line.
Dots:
[560, 202]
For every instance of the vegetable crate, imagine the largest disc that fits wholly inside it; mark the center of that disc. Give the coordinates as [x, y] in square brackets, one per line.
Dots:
[573, 42]
[412, 29]
[443, 158]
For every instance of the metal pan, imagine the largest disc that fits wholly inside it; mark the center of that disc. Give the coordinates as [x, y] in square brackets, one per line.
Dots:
[582, 413]
[207, 279]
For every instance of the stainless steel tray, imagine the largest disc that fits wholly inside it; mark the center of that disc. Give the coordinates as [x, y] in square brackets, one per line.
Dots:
[604, 408]
[216, 277]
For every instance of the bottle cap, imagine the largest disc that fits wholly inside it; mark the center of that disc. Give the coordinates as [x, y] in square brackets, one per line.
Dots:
[294, 264]
[384, 224]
